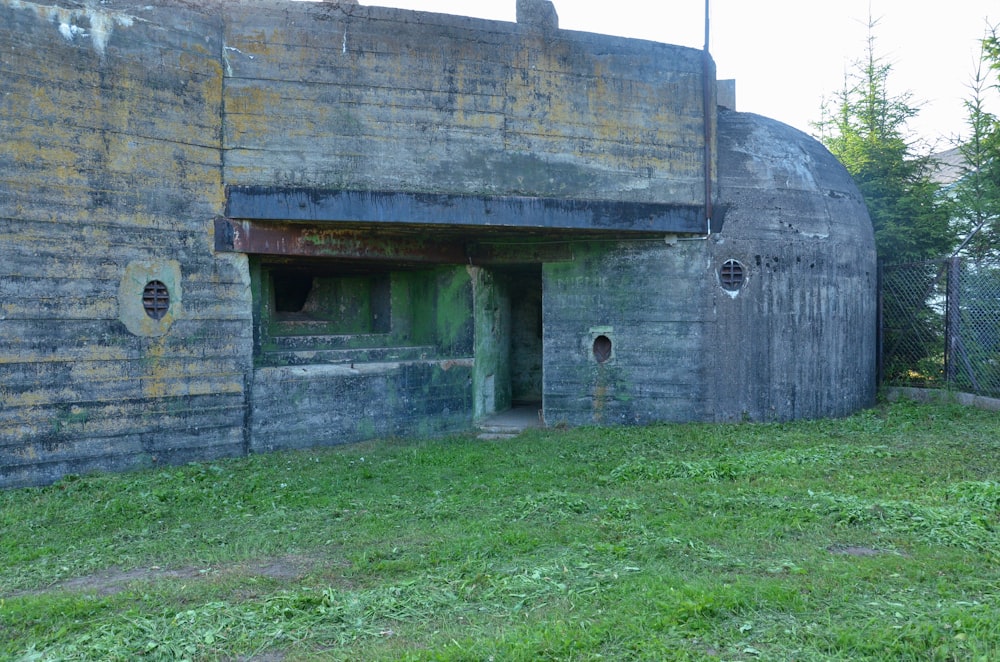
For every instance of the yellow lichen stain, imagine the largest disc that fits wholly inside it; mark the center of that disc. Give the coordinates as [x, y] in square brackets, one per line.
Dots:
[42, 104]
[213, 388]
[466, 114]
[214, 195]
[253, 100]
[97, 353]
[97, 372]
[210, 86]
[191, 62]
[27, 452]
[200, 48]
[39, 398]
[156, 376]
[256, 43]
[250, 112]
[605, 120]
[29, 153]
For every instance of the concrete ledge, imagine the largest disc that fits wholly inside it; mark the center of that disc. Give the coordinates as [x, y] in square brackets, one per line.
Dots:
[320, 370]
[930, 395]
[276, 203]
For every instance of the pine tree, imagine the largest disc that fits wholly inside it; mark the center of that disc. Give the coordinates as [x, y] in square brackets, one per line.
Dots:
[866, 132]
[977, 192]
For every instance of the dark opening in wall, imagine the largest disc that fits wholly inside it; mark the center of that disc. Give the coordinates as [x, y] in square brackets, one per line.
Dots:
[155, 299]
[323, 300]
[521, 337]
[291, 290]
[602, 349]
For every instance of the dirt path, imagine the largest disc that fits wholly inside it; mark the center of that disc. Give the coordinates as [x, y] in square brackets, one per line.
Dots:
[116, 580]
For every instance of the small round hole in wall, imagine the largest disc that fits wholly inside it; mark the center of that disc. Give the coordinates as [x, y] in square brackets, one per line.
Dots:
[602, 349]
[155, 299]
[732, 276]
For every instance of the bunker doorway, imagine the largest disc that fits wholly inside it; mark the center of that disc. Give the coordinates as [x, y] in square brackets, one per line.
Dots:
[509, 348]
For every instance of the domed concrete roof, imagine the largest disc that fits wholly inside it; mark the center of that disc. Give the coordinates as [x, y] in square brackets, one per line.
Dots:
[776, 181]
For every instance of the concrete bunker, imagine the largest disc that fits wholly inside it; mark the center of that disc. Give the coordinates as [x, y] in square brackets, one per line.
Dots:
[358, 222]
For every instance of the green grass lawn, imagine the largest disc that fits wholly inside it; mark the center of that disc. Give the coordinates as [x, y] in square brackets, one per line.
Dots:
[873, 537]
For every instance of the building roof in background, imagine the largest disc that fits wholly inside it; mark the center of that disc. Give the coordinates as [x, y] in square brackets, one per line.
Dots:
[950, 166]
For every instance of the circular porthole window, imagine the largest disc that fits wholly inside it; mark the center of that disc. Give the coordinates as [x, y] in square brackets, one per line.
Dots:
[732, 275]
[150, 296]
[602, 349]
[155, 299]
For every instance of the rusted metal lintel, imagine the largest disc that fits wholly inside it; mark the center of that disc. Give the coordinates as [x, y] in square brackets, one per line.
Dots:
[310, 240]
[430, 247]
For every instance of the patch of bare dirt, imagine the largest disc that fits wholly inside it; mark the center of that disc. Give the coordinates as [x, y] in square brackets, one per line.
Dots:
[114, 580]
[272, 656]
[285, 567]
[854, 550]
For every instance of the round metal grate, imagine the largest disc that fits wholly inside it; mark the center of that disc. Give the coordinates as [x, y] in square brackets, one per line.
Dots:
[155, 299]
[731, 275]
[602, 349]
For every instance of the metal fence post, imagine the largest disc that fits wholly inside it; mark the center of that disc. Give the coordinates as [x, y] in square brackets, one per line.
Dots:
[952, 320]
[879, 324]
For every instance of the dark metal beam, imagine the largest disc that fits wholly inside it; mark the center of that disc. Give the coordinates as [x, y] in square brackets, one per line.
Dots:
[465, 211]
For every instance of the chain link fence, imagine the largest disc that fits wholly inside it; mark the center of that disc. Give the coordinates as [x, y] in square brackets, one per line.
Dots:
[940, 325]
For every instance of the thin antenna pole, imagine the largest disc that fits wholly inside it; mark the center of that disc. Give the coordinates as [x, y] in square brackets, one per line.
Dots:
[708, 117]
[706, 24]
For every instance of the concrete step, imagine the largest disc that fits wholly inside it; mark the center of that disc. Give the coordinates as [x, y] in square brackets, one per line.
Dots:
[341, 356]
[509, 424]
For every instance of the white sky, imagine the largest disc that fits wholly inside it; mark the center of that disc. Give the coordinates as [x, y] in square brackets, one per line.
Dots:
[786, 55]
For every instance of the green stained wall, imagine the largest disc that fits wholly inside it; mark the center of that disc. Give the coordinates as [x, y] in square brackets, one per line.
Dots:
[491, 377]
[336, 386]
[650, 300]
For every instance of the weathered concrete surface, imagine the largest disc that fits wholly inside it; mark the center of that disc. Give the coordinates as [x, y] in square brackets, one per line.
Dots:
[322, 405]
[110, 125]
[318, 383]
[491, 384]
[798, 341]
[649, 299]
[467, 212]
[382, 99]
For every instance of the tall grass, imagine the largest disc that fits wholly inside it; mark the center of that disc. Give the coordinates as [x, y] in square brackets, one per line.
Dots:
[873, 537]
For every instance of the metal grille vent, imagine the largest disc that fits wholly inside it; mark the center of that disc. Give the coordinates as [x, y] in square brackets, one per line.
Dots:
[155, 299]
[731, 275]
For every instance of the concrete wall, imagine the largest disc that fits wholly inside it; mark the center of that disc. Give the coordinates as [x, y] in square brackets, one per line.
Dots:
[321, 404]
[491, 385]
[328, 386]
[384, 99]
[648, 299]
[110, 174]
[798, 340]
